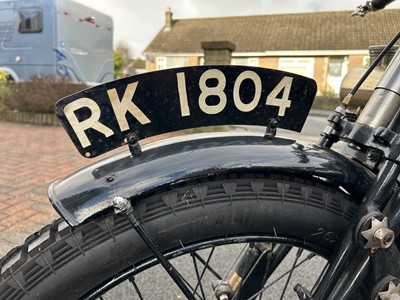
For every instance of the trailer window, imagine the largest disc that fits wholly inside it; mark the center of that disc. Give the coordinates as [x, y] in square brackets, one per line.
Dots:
[31, 20]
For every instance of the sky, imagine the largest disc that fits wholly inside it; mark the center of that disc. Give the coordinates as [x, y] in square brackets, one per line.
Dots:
[136, 23]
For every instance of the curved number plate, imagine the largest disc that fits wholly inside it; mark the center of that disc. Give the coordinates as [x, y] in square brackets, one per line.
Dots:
[99, 119]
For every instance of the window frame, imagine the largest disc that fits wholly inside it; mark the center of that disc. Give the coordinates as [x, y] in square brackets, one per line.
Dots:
[292, 62]
[31, 28]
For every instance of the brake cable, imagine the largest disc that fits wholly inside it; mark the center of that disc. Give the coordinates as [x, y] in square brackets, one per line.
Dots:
[350, 95]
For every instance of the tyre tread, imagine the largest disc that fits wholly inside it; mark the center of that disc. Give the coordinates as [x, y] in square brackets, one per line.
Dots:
[21, 275]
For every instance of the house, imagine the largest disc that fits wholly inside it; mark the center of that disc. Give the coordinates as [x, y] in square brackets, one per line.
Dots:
[322, 45]
[137, 66]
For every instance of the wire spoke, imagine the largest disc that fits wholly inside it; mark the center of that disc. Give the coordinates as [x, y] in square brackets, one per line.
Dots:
[310, 256]
[215, 273]
[298, 254]
[267, 267]
[237, 294]
[199, 277]
[189, 286]
[320, 278]
[228, 271]
[132, 280]
[205, 264]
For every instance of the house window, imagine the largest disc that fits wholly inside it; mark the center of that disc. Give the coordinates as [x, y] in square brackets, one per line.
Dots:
[170, 62]
[253, 62]
[245, 61]
[176, 62]
[161, 63]
[201, 61]
[299, 65]
[31, 20]
[335, 66]
[366, 61]
[238, 61]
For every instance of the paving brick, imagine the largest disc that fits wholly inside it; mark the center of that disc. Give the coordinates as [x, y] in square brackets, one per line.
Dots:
[17, 218]
[2, 216]
[31, 157]
[19, 192]
[15, 208]
[43, 218]
[3, 202]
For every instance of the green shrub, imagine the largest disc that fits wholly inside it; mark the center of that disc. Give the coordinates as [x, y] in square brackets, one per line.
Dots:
[3, 75]
[40, 93]
[6, 94]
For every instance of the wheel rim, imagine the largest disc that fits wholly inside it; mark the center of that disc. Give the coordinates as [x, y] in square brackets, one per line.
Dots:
[140, 272]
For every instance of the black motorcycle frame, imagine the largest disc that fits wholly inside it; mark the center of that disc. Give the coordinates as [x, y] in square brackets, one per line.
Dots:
[347, 271]
[351, 263]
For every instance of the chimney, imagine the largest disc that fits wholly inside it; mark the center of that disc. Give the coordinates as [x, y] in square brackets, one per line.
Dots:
[218, 52]
[168, 19]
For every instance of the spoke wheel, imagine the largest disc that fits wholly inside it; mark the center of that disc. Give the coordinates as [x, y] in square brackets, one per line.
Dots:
[205, 265]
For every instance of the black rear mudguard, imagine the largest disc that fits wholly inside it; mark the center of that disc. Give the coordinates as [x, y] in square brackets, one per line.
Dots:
[92, 189]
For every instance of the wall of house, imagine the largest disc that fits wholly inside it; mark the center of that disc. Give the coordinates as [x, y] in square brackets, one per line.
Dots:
[269, 62]
[356, 61]
[150, 65]
[320, 72]
[190, 61]
[193, 61]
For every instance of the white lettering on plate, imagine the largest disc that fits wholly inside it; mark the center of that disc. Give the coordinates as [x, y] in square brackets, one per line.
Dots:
[285, 84]
[246, 107]
[121, 107]
[185, 111]
[217, 90]
[92, 122]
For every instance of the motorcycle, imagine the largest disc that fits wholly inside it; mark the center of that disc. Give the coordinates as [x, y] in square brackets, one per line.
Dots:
[230, 215]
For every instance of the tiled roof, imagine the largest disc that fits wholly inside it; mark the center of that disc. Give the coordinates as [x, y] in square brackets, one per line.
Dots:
[303, 31]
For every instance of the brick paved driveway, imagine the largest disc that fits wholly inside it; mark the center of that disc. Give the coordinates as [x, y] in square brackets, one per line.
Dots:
[31, 157]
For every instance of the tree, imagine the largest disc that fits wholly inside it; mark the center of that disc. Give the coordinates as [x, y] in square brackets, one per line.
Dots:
[122, 59]
[117, 64]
